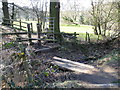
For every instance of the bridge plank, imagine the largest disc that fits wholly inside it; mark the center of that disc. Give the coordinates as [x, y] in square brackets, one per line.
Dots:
[73, 66]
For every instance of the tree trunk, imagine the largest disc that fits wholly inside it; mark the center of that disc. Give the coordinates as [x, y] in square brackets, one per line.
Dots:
[99, 28]
[55, 13]
[95, 30]
[105, 27]
[6, 17]
[13, 11]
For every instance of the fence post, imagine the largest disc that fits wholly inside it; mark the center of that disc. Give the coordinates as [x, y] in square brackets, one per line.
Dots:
[75, 36]
[20, 25]
[39, 32]
[29, 34]
[31, 27]
[12, 24]
[86, 38]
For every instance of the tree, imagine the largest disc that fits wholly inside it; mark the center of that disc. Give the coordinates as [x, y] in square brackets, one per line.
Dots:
[72, 13]
[40, 10]
[102, 16]
[55, 13]
[96, 17]
[6, 18]
[82, 19]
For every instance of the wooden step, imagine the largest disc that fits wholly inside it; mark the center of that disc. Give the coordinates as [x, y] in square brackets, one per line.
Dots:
[73, 66]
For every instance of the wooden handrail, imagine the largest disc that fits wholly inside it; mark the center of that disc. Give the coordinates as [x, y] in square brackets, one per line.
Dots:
[19, 25]
[18, 7]
[13, 33]
[16, 21]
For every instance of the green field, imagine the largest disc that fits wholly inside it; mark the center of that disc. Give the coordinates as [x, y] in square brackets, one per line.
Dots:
[81, 30]
[65, 28]
[77, 29]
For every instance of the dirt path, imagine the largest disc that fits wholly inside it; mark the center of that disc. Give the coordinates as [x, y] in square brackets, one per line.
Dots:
[99, 77]
[104, 77]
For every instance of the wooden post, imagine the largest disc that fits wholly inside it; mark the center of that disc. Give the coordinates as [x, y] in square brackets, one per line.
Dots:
[12, 24]
[29, 33]
[13, 15]
[6, 17]
[31, 27]
[75, 34]
[20, 25]
[86, 38]
[75, 37]
[39, 31]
